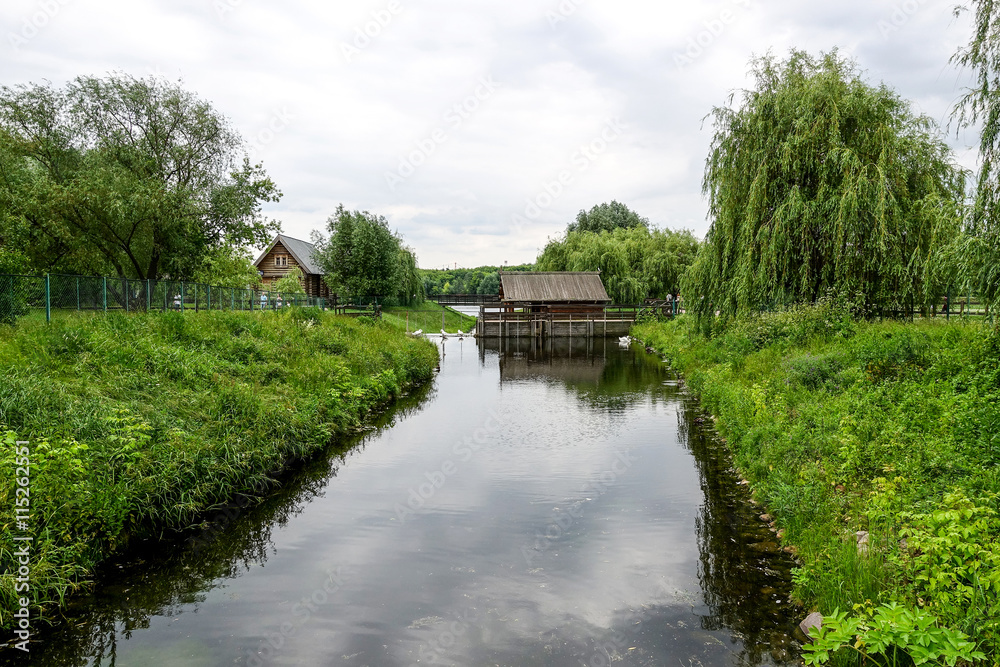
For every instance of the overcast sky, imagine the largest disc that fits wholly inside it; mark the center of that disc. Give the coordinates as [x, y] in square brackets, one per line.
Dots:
[479, 128]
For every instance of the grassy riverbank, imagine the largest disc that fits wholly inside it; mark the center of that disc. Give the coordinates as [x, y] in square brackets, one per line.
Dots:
[140, 423]
[427, 317]
[876, 447]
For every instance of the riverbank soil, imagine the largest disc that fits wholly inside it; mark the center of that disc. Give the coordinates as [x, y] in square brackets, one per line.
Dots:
[137, 424]
[875, 446]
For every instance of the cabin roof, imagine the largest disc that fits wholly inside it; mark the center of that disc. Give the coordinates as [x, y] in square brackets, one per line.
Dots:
[302, 251]
[553, 287]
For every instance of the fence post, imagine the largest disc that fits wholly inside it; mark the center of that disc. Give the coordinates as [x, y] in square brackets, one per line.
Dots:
[148, 295]
[208, 291]
[78, 292]
[182, 296]
[125, 289]
[104, 293]
[48, 299]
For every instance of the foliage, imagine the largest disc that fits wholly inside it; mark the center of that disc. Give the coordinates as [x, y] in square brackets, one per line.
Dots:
[635, 263]
[411, 285]
[479, 280]
[363, 259]
[880, 635]
[952, 564]
[844, 425]
[13, 261]
[818, 181]
[979, 248]
[291, 283]
[606, 218]
[228, 266]
[140, 424]
[136, 177]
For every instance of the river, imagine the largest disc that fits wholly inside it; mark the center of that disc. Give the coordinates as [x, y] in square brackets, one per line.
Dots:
[554, 506]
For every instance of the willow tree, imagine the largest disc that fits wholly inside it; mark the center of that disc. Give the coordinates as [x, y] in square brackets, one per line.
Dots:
[635, 263]
[979, 249]
[818, 181]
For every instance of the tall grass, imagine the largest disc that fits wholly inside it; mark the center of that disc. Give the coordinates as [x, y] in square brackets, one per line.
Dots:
[845, 427]
[141, 423]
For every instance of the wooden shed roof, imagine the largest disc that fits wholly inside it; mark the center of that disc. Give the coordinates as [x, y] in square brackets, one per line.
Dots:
[553, 287]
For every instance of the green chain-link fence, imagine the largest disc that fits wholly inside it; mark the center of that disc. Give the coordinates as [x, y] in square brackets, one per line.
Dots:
[20, 295]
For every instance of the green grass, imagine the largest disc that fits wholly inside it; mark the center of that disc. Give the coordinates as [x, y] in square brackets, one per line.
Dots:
[141, 423]
[427, 316]
[843, 426]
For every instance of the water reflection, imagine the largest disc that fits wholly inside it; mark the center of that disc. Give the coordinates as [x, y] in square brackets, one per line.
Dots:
[548, 505]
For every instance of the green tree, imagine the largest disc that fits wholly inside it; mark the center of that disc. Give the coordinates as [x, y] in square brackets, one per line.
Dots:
[226, 266]
[636, 263]
[607, 217]
[819, 181]
[135, 176]
[490, 284]
[292, 282]
[362, 257]
[978, 250]
[411, 284]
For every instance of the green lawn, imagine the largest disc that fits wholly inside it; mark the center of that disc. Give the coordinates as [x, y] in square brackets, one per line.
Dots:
[427, 316]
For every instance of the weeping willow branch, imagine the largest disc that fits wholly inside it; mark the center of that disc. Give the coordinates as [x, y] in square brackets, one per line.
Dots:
[818, 181]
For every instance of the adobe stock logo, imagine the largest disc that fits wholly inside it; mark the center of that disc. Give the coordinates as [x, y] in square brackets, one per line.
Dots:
[901, 15]
[364, 35]
[34, 23]
[700, 43]
[424, 148]
[581, 160]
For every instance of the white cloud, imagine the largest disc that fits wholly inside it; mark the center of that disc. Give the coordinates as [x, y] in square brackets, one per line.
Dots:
[560, 81]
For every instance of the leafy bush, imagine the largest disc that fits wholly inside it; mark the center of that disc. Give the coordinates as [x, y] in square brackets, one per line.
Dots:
[829, 318]
[816, 371]
[894, 353]
[952, 565]
[890, 635]
[12, 303]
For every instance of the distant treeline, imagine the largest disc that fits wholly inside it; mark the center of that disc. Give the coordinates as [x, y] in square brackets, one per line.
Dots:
[480, 280]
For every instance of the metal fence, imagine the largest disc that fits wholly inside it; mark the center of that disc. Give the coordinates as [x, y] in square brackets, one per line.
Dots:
[20, 295]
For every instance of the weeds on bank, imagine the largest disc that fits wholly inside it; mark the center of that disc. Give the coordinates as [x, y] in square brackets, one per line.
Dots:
[877, 447]
[140, 423]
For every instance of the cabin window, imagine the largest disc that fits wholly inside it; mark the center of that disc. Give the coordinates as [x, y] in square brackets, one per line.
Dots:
[281, 260]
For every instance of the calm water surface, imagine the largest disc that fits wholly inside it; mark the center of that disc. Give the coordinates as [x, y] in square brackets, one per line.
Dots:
[556, 506]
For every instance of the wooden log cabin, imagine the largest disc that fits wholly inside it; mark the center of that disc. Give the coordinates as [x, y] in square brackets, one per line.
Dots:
[286, 253]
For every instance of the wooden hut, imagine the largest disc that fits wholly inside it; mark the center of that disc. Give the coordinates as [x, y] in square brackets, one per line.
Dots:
[286, 253]
[550, 304]
[554, 292]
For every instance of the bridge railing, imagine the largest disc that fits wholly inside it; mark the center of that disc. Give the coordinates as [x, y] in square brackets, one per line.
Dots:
[464, 299]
